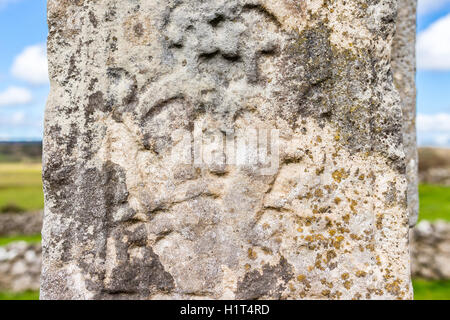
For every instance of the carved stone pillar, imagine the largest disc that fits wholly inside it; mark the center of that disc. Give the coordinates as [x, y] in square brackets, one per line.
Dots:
[237, 149]
[404, 67]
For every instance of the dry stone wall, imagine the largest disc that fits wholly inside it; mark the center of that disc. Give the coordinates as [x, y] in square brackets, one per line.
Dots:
[20, 223]
[20, 267]
[147, 196]
[430, 250]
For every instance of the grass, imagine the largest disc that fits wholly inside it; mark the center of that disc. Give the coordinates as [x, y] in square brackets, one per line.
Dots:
[431, 290]
[29, 239]
[434, 203]
[21, 187]
[27, 295]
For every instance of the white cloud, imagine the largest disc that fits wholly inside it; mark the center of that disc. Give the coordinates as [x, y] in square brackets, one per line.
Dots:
[433, 46]
[433, 129]
[429, 6]
[18, 118]
[433, 122]
[31, 65]
[4, 137]
[15, 96]
[442, 139]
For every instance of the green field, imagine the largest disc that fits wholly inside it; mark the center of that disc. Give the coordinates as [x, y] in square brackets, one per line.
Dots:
[30, 239]
[21, 188]
[434, 203]
[27, 295]
[431, 290]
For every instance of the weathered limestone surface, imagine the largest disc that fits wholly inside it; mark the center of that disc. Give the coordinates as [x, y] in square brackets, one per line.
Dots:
[125, 218]
[404, 67]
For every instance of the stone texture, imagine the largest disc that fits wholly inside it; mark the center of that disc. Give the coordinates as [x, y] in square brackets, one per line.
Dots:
[430, 250]
[126, 219]
[20, 223]
[20, 267]
[404, 67]
[430, 259]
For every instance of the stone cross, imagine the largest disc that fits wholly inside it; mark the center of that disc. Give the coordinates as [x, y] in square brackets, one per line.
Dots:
[229, 149]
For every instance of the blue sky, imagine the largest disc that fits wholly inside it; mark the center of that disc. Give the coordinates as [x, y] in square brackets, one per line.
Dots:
[24, 85]
[23, 25]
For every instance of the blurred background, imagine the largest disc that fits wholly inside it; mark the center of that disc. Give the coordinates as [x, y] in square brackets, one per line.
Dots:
[24, 87]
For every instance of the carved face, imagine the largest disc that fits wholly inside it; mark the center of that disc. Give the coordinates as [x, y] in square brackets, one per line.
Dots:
[222, 61]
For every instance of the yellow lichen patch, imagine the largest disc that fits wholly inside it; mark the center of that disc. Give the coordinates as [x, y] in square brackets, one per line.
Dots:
[337, 136]
[393, 287]
[326, 283]
[354, 108]
[345, 276]
[348, 284]
[343, 230]
[319, 171]
[318, 237]
[379, 222]
[337, 200]
[301, 277]
[252, 254]
[247, 266]
[267, 250]
[354, 236]
[337, 242]
[346, 218]
[361, 274]
[339, 175]
[337, 295]
[329, 188]
[378, 260]
[331, 254]
[318, 263]
[357, 296]
[326, 293]
[318, 193]
[353, 205]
